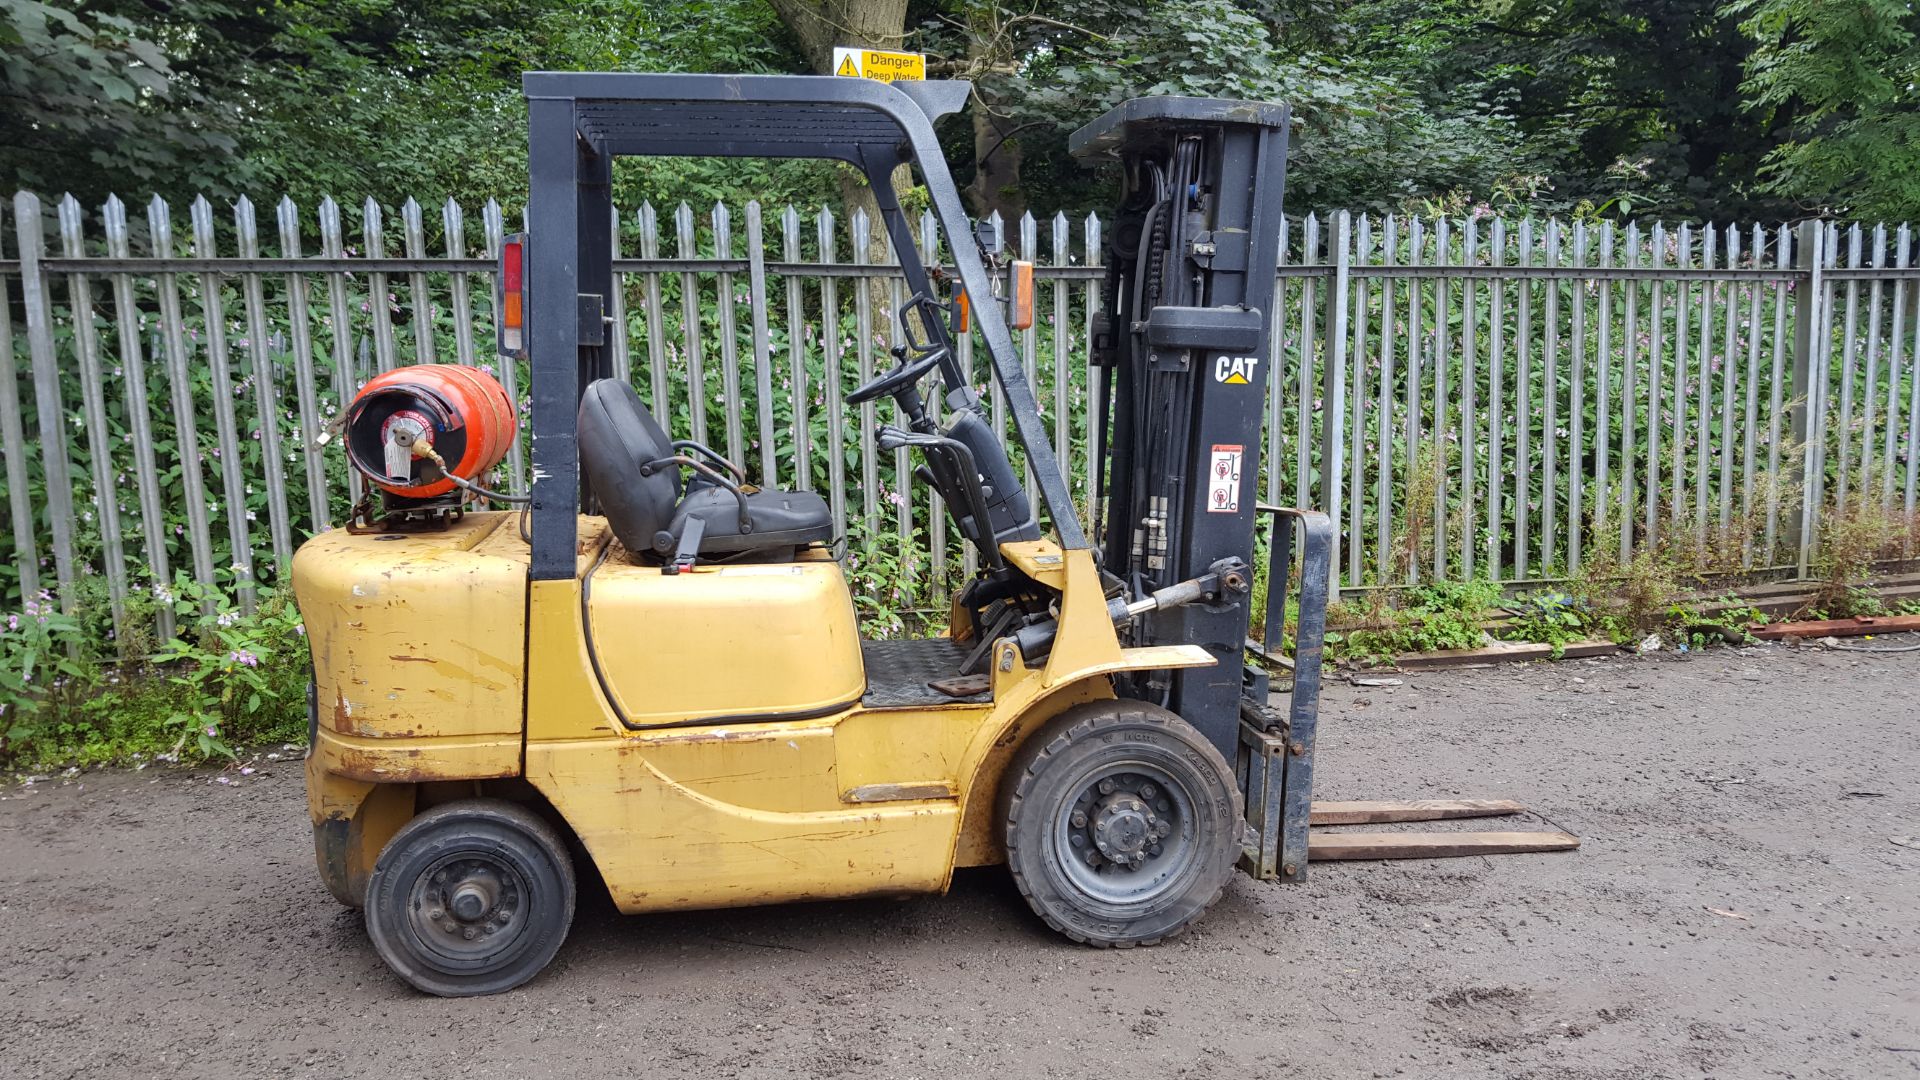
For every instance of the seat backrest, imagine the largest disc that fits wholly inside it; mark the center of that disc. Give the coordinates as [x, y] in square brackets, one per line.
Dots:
[617, 436]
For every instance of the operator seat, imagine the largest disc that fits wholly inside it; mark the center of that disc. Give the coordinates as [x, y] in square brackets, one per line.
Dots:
[634, 468]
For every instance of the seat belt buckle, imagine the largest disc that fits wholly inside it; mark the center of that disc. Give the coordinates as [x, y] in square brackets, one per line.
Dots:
[686, 551]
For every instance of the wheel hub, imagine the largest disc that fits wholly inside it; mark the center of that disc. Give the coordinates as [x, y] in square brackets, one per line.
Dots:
[1121, 821]
[470, 899]
[1122, 827]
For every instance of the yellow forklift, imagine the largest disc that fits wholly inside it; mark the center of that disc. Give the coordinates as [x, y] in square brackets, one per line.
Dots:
[658, 663]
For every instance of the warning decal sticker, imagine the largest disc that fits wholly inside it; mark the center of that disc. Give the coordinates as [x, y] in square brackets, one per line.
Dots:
[1223, 479]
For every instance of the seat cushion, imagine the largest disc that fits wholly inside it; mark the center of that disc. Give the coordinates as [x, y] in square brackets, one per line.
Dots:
[617, 436]
[779, 518]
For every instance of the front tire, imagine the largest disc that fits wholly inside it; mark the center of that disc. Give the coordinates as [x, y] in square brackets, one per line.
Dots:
[472, 897]
[1122, 822]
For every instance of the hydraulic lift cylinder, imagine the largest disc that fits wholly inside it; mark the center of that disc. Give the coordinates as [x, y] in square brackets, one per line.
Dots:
[1184, 346]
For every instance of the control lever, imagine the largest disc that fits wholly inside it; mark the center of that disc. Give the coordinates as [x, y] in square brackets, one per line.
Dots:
[1229, 575]
[971, 498]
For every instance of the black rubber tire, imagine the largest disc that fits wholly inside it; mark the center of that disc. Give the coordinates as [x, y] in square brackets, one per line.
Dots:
[490, 831]
[1101, 738]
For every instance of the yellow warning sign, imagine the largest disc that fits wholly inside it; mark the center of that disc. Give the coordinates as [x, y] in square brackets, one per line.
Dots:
[879, 65]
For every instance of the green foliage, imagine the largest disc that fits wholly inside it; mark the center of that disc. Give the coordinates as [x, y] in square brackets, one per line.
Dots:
[344, 97]
[1420, 618]
[42, 672]
[1623, 106]
[1551, 618]
[1597, 105]
[233, 670]
[1845, 79]
[85, 92]
[1374, 133]
[69, 693]
[888, 583]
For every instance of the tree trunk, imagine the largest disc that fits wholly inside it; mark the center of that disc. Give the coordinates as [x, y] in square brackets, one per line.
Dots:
[821, 25]
[996, 177]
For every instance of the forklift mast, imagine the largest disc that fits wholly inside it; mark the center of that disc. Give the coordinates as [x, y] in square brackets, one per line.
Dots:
[1186, 348]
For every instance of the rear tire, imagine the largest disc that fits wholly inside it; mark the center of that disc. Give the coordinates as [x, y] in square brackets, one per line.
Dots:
[472, 897]
[1122, 823]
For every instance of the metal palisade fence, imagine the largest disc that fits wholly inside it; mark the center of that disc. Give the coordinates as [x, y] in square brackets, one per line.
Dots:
[1476, 397]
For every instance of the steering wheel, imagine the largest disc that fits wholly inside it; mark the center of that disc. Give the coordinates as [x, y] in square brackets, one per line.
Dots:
[908, 372]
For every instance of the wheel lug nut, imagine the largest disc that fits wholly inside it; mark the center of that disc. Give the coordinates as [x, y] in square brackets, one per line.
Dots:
[1147, 791]
[1153, 850]
[1077, 840]
[1106, 787]
[1093, 858]
[1079, 819]
[1164, 805]
[436, 914]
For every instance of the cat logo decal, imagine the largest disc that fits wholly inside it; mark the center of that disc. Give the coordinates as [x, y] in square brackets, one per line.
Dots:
[1236, 370]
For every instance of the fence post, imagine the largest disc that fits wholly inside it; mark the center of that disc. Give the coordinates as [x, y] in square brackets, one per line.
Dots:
[616, 301]
[14, 439]
[233, 490]
[722, 219]
[93, 405]
[186, 435]
[46, 391]
[762, 341]
[133, 362]
[1333, 392]
[1806, 322]
[305, 391]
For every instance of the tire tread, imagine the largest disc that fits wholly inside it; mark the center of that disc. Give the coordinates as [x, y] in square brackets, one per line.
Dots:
[1076, 724]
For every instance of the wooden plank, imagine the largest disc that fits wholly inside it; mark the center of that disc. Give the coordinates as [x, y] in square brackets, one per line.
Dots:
[1502, 652]
[1374, 812]
[1888, 624]
[1336, 847]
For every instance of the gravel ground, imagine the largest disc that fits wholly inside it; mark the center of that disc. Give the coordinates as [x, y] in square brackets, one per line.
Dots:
[1737, 911]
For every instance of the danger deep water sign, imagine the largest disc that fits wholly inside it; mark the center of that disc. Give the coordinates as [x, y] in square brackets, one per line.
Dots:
[879, 65]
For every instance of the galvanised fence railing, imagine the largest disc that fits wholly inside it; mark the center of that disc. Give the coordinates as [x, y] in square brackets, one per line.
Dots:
[1474, 397]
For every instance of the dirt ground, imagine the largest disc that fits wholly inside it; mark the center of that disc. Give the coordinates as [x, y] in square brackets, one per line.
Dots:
[1737, 911]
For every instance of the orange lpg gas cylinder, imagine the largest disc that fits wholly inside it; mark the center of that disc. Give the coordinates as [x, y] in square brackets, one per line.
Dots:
[408, 425]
